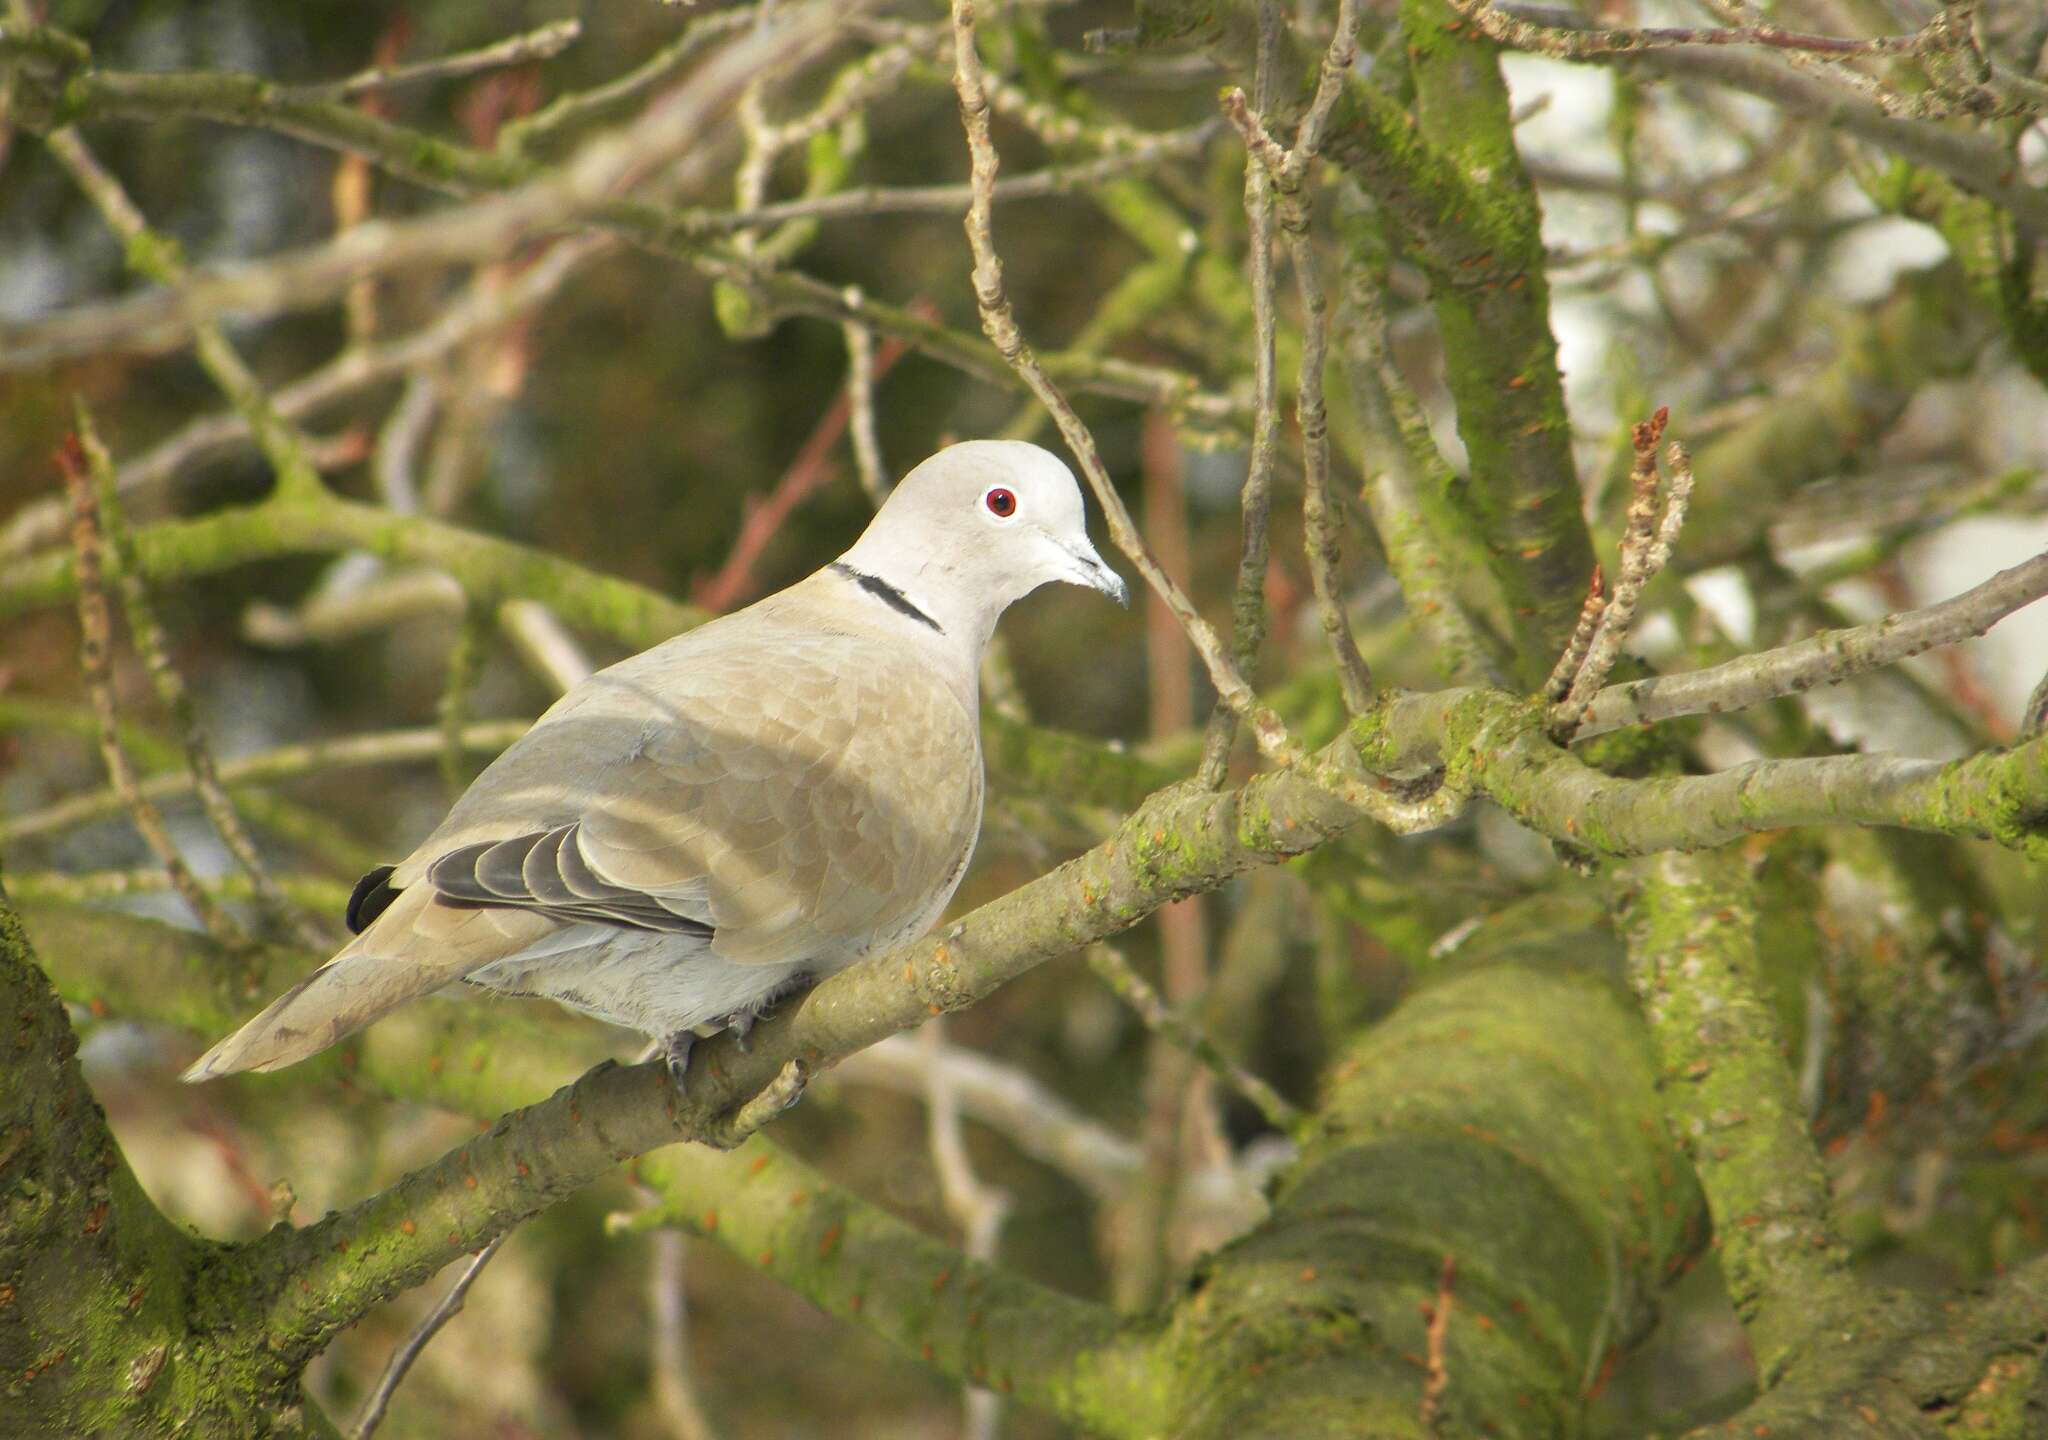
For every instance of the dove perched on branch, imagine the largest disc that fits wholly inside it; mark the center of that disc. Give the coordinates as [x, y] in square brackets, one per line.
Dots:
[694, 832]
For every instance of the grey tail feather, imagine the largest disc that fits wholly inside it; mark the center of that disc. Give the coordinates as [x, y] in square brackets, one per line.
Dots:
[354, 988]
[266, 1042]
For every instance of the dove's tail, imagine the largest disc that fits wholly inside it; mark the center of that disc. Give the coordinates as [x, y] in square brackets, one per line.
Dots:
[413, 947]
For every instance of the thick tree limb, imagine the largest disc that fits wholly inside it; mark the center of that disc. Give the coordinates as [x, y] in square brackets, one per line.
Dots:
[1732, 1099]
[98, 1283]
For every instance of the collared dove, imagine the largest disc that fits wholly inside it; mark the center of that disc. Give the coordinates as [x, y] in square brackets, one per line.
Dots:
[691, 834]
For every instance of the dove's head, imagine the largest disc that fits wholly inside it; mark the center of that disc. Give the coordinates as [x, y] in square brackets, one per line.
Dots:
[979, 525]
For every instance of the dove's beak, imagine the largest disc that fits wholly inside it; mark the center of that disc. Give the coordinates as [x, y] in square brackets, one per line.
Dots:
[1089, 570]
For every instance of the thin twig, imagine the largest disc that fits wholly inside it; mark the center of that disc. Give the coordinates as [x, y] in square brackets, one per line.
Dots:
[875, 200]
[372, 1413]
[1284, 174]
[999, 323]
[96, 639]
[155, 257]
[674, 1393]
[1320, 522]
[1568, 664]
[977, 1208]
[1248, 606]
[1565, 44]
[1646, 544]
[1330, 77]
[79, 888]
[393, 747]
[1824, 659]
[1437, 1319]
[1010, 1101]
[475, 311]
[518, 136]
[544, 43]
[545, 643]
[860, 409]
[1400, 464]
[1136, 991]
[495, 221]
[146, 633]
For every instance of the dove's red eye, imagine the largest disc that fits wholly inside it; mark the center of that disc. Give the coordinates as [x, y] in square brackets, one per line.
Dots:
[1001, 503]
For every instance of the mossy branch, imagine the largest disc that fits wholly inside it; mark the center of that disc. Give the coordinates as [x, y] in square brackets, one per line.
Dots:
[1732, 1099]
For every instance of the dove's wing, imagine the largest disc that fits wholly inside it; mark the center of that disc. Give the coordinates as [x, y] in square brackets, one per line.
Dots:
[797, 788]
[784, 785]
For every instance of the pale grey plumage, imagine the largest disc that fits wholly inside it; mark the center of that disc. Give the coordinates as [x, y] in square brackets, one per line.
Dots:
[689, 834]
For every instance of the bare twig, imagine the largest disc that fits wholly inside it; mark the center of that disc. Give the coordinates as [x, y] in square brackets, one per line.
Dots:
[155, 257]
[875, 200]
[95, 623]
[146, 632]
[1574, 657]
[354, 599]
[545, 643]
[1824, 659]
[860, 408]
[674, 1393]
[999, 323]
[372, 1413]
[80, 888]
[1436, 1372]
[977, 1208]
[488, 226]
[1137, 992]
[1285, 170]
[393, 747]
[1398, 459]
[544, 43]
[1646, 543]
[1330, 75]
[1564, 44]
[1009, 1101]
[518, 136]
[1319, 521]
[1248, 606]
[477, 310]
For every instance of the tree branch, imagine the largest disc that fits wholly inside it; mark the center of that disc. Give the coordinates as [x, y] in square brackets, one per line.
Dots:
[1824, 659]
[1732, 1100]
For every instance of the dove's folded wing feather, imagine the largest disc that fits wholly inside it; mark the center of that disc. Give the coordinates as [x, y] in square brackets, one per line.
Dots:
[787, 785]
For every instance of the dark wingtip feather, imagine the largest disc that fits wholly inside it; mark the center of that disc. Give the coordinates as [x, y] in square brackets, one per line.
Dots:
[372, 897]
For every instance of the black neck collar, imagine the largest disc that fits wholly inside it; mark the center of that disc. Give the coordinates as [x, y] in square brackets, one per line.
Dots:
[888, 594]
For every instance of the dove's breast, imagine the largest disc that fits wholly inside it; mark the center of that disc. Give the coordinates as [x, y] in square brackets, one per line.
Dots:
[851, 811]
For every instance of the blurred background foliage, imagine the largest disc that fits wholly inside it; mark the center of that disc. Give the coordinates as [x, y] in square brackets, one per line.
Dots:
[1708, 254]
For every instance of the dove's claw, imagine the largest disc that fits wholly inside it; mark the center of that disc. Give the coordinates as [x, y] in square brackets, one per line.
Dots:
[676, 1050]
[741, 1025]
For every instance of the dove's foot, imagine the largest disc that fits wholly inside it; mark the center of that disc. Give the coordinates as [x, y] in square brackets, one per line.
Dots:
[741, 1022]
[742, 1025]
[676, 1051]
